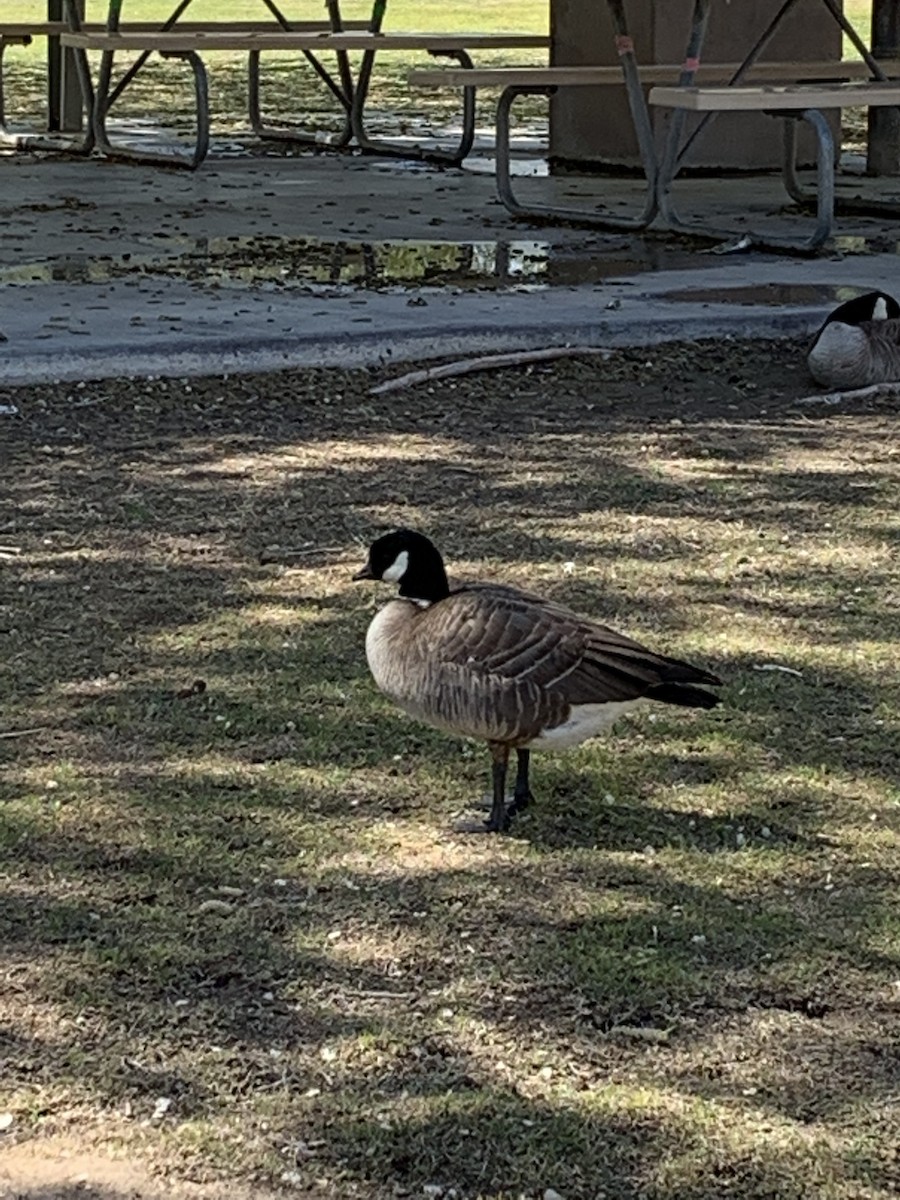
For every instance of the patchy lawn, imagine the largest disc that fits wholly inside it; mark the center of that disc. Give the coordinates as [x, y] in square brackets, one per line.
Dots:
[241, 946]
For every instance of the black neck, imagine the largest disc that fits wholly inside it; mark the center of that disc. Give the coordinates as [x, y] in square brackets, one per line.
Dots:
[425, 579]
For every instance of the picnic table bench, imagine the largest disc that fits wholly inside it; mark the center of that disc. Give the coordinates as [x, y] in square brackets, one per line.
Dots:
[192, 45]
[524, 81]
[793, 90]
[807, 102]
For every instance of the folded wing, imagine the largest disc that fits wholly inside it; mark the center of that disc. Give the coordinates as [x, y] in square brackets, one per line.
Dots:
[504, 665]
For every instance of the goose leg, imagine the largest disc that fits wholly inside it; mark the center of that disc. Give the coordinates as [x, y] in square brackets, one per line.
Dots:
[499, 817]
[522, 796]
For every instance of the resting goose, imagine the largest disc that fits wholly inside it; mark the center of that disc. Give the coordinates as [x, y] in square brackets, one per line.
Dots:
[859, 344]
[505, 667]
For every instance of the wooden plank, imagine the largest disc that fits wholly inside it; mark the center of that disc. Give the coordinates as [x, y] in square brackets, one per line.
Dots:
[176, 42]
[14, 29]
[600, 76]
[762, 98]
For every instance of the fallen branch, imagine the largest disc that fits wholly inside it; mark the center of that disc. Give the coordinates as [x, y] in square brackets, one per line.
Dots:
[777, 667]
[487, 362]
[305, 553]
[641, 1033]
[885, 390]
[378, 995]
[14, 733]
[278, 555]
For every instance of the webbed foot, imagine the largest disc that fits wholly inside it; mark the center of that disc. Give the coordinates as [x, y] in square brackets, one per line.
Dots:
[485, 825]
[514, 804]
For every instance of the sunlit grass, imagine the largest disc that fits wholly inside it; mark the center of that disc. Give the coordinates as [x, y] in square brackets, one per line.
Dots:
[425, 15]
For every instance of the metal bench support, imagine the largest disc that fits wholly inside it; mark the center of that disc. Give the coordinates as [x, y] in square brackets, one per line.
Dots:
[823, 197]
[842, 204]
[640, 115]
[447, 157]
[293, 133]
[104, 100]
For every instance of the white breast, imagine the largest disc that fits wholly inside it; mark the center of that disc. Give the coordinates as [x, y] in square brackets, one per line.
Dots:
[378, 642]
[585, 721]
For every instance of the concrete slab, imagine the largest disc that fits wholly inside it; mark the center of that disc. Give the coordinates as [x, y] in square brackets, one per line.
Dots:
[109, 269]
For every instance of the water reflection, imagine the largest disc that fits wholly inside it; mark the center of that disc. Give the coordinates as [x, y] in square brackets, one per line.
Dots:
[278, 262]
[767, 293]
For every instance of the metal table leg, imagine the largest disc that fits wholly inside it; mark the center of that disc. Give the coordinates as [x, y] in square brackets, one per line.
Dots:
[341, 90]
[452, 157]
[288, 133]
[640, 115]
[824, 197]
[672, 154]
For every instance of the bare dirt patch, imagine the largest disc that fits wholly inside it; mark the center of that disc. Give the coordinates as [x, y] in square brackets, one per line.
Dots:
[240, 947]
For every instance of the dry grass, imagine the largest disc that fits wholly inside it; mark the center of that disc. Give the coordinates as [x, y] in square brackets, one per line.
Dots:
[677, 978]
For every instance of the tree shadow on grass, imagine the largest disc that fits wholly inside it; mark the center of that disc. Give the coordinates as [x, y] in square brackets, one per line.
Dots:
[355, 1053]
[273, 850]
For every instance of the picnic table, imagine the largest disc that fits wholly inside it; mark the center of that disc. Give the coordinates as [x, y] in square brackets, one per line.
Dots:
[750, 85]
[805, 102]
[100, 98]
[692, 88]
[174, 39]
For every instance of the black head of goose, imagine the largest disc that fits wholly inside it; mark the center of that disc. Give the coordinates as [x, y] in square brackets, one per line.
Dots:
[859, 344]
[505, 667]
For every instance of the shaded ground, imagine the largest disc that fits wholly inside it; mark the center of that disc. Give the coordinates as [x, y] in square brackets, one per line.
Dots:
[239, 944]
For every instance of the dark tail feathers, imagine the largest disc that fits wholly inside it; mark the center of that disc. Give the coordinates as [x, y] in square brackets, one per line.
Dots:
[684, 694]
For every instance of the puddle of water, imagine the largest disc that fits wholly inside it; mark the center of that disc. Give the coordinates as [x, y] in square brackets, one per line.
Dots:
[766, 293]
[849, 243]
[308, 262]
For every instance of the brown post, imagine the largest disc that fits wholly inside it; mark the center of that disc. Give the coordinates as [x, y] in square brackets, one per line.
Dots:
[71, 100]
[65, 108]
[884, 123]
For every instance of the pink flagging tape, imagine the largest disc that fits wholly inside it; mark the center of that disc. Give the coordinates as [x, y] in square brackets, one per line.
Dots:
[691, 64]
[624, 45]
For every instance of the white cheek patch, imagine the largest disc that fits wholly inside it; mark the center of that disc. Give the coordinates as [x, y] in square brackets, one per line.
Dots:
[397, 569]
[879, 312]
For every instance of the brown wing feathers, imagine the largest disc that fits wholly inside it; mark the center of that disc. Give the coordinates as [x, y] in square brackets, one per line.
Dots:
[545, 649]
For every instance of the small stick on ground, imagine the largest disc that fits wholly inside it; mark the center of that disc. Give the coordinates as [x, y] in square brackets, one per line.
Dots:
[487, 362]
[14, 733]
[881, 390]
[274, 556]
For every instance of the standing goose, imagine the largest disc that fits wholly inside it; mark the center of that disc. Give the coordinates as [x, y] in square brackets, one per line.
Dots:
[859, 344]
[503, 666]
